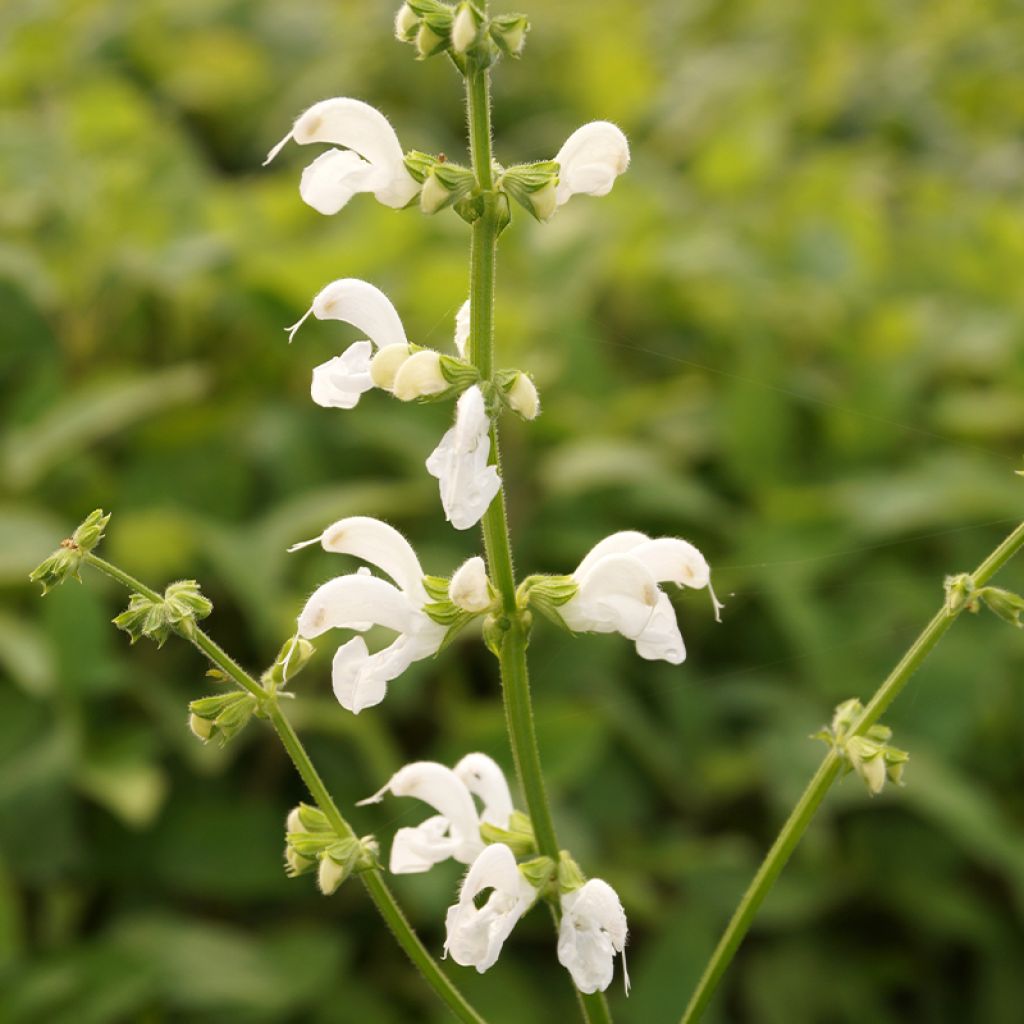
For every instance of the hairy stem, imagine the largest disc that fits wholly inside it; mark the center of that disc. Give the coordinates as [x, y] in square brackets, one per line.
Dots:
[796, 824]
[515, 680]
[375, 885]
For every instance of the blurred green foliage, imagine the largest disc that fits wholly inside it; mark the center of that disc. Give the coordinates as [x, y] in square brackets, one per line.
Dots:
[793, 334]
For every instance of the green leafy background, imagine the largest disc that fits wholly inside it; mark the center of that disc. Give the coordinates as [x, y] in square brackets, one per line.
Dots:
[792, 334]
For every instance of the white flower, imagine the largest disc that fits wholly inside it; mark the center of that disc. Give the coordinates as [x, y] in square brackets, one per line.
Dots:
[360, 600]
[455, 830]
[618, 591]
[475, 935]
[592, 931]
[371, 161]
[590, 160]
[460, 463]
[462, 329]
[469, 588]
[341, 381]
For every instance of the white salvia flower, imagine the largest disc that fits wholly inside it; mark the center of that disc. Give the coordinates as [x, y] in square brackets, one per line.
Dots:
[455, 830]
[590, 160]
[592, 931]
[462, 329]
[618, 591]
[371, 161]
[419, 375]
[523, 397]
[467, 483]
[469, 588]
[475, 935]
[360, 600]
[340, 382]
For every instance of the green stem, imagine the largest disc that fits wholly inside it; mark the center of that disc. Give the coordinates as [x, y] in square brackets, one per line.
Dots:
[796, 824]
[515, 680]
[375, 885]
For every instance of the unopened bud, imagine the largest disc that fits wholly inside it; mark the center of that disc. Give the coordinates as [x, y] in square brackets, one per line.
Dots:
[291, 660]
[464, 29]
[330, 875]
[419, 375]
[406, 24]
[202, 728]
[470, 589]
[293, 823]
[434, 196]
[384, 365]
[523, 398]
[295, 864]
[429, 41]
[509, 32]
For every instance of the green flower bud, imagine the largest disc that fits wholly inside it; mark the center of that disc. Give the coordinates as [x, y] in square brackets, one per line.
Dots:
[295, 864]
[433, 35]
[960, 593]
[509, 32]
[225, 715]
[465, 28]
[1005, 603]
[177, 611]
[407, 23]
[66, 561]
[534, 187]
[291, 660]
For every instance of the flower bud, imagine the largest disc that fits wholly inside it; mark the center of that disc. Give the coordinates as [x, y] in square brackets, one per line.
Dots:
[509, 32]
[202, 728]
[434, 196]
[293, 823]
[330, 874]
[464, 29]
[291, 660]
[295, 864]
[523, 398]
[407, 23]
[470, 589]
[419, 375]
[534, 187]
[429, 41]
[384, 365]
[67, 559]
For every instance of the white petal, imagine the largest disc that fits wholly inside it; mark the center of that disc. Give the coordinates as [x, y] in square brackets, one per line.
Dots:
[354, 687]
[617, 594]
[362, 305]
[341, 381]
[381, 545]
[468, 587]
[671, 559]
[592, 931]
[462, 328]
[468, 484]
[615, 544]
[345, 600]
[485, 779]
[418, 849]
[443, 790]
[386, 363]
[661, 639]
[419, 375]
[365, 130]
[591, 159]
[475, 935]
[334, 177]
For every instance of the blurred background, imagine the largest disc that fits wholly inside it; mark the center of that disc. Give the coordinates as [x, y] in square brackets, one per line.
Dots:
[792, 334]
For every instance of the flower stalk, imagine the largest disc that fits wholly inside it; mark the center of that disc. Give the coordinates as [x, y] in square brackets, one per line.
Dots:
[269, 706]
[829, 770]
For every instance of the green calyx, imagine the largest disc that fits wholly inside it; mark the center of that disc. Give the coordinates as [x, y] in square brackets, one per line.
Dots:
[334, 857]
[518, 836]
[290, 661]
[66, 561]
[221, 717]
[178, 611]
[869, 755]
[444, 611]
[547, 594]
[533, 186]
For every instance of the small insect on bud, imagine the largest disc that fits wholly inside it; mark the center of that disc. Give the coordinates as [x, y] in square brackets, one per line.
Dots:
[385, 364]
[523, 398]
[465, 28]
[420, 375]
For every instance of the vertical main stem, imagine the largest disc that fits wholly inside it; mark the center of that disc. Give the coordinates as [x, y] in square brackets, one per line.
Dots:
[801, 815]
[515, 680]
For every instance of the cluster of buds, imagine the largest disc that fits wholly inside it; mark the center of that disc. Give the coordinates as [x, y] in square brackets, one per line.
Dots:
[66, 561]
[177, 611]
[498, 845]
[869, 755]
[311, 844]
[962, 594]
[222, 716]
[460, 30]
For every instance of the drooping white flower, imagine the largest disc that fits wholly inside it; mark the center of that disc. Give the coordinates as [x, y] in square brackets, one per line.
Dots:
[341, 381]
[590, 160]
[359, 600]
[455, 830]
[468, 588]
[460, 463]
[475, 935]
[592, 931]
[619, 593]
[371, 160]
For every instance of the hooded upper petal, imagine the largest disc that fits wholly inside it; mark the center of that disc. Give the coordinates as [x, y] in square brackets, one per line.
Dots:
[484, 778]
[468, 484]
[362, 305]
[348, 601]
[617, 594]
[590, 160]
[365, 131]
[475, 935]
[592, 931]
[381, 545]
